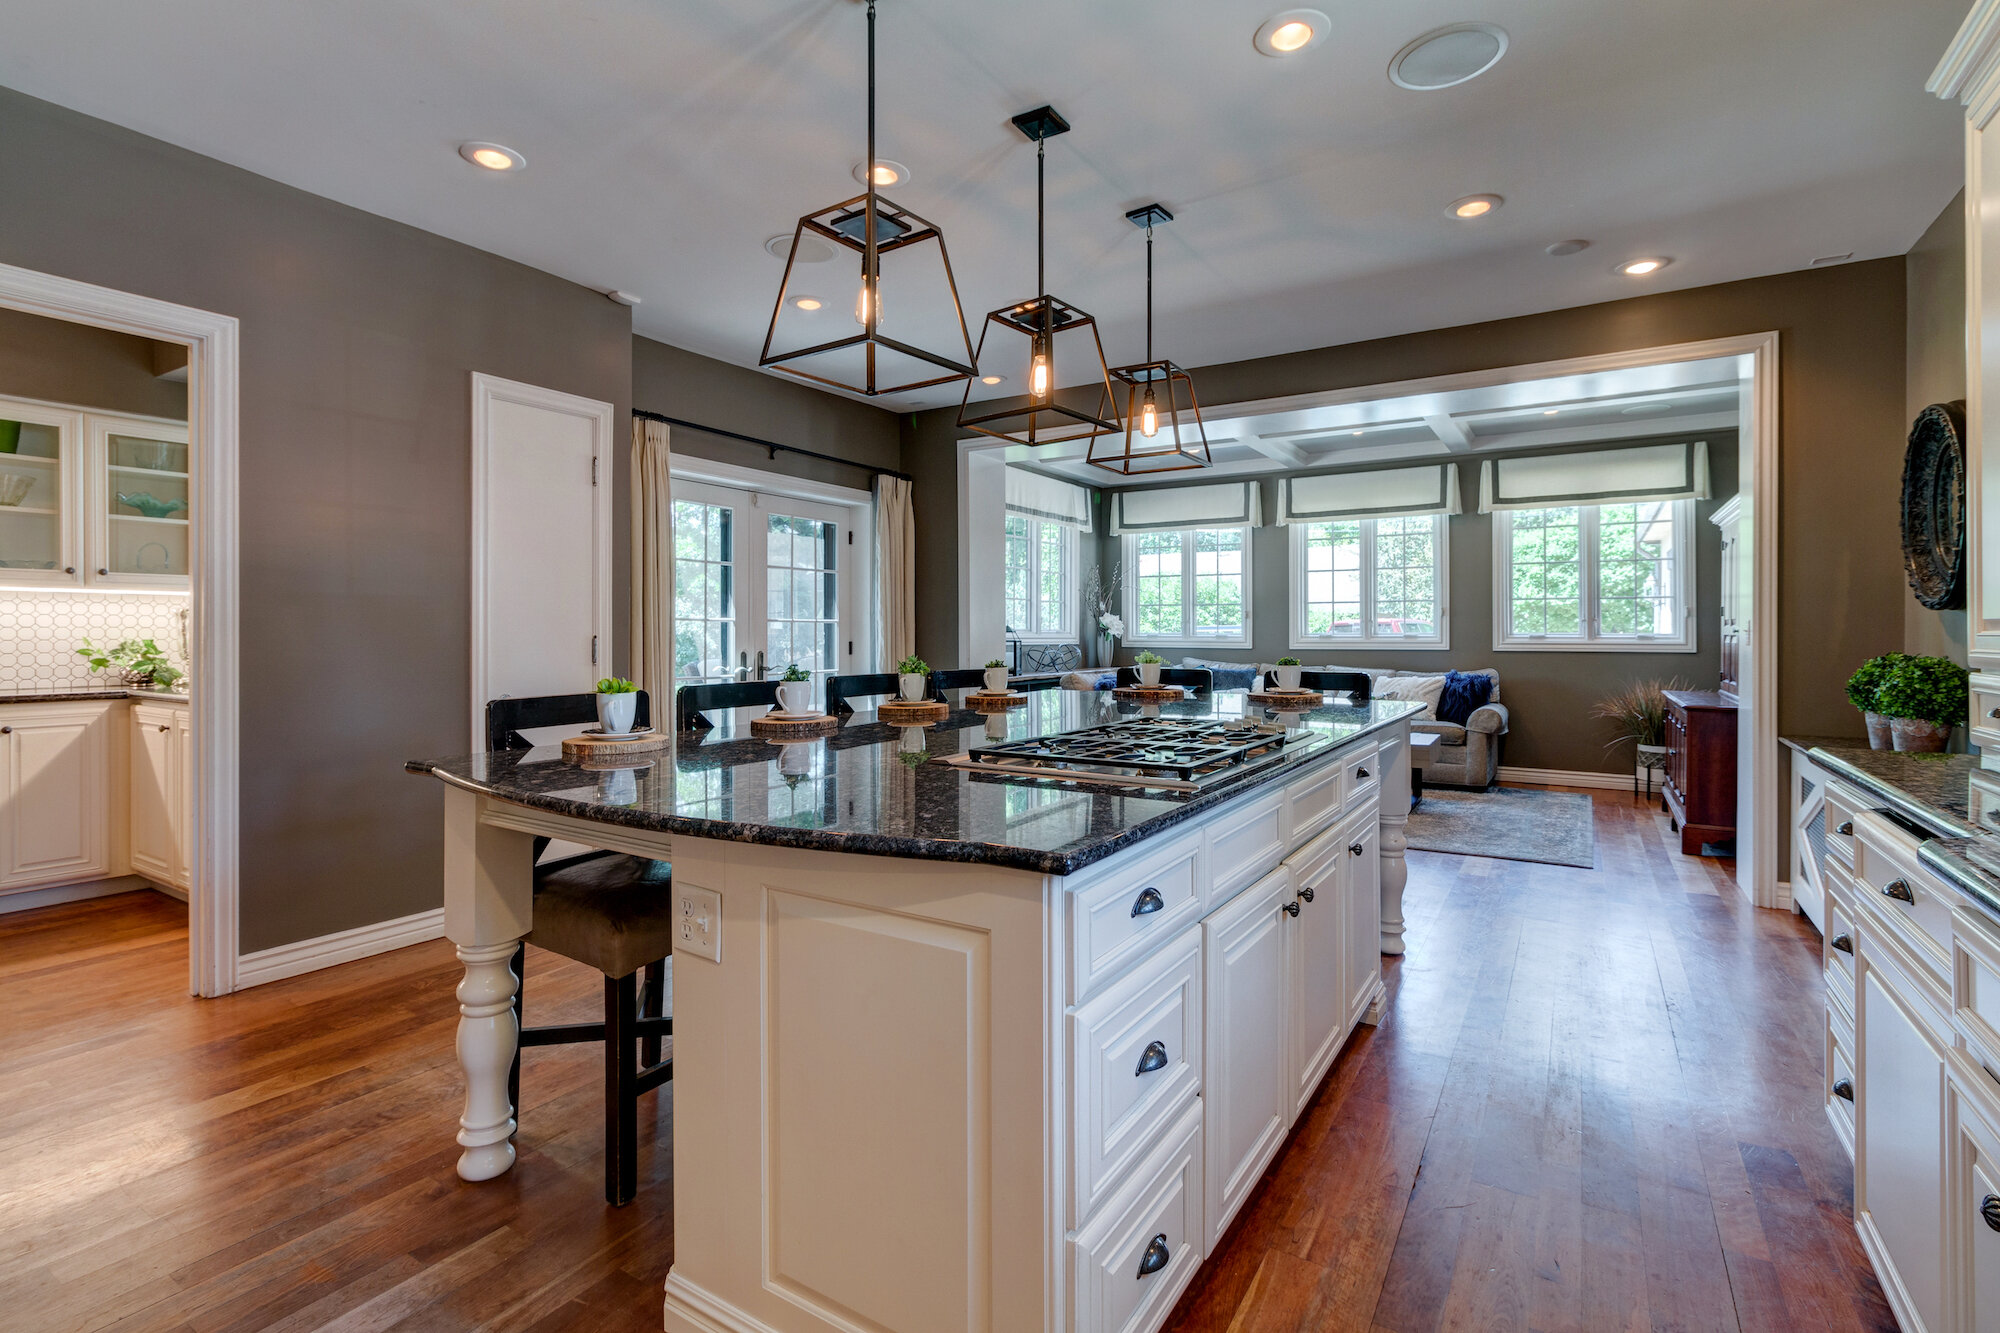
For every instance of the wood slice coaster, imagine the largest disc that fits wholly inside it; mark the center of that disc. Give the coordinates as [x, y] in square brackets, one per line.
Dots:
[1150, 694]
[589, 746]
[1291, 701]
[794, 728]
[920, 714]
[995, 703]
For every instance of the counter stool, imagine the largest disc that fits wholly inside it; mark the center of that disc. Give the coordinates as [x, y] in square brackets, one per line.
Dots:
[615, 913]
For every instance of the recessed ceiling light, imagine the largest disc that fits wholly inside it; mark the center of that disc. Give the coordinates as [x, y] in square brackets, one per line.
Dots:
[623, 297]
[886, 172]
[1291, 32]
[1824, 260]
[1639, 268]
[812, 250]
[991, 379]
[1357, 432]
[806, 302]
[1475, 206]
[1638, 409]
[1562, 249]
[1448, 56]
[492, 156]
[1550, 411]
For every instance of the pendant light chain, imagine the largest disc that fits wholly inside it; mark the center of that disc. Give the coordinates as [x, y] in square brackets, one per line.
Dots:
[1149, 291]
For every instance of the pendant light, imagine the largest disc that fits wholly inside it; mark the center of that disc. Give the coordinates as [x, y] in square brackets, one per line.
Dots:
[1163, 430]
[1040, 418]
[903, 283]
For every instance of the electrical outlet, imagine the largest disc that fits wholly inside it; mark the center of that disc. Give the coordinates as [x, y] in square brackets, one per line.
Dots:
[698, 922]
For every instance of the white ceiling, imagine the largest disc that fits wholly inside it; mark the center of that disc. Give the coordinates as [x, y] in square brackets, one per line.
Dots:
[667, 139]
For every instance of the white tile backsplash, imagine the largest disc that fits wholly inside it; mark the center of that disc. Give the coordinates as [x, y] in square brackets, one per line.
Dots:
[41, 631]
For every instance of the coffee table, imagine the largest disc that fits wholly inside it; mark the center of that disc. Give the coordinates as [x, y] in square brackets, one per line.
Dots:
[1423, 748]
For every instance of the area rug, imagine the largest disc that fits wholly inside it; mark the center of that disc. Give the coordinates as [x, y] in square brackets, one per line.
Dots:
[1554, 828]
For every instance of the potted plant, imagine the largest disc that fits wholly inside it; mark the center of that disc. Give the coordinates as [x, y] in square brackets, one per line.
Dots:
[1640, 710]
[1149, 668]
[617, 701]
[1100, 596]
[1287, 672]
[1861, 691]
[996, 677]
[1923, 698]
[795, 694]
[911, 675]
[141, 663]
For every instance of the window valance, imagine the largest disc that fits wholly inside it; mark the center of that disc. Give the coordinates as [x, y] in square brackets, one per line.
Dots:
[1217, 505]
[1595, 477]
[1036, 496]
[1400, 492]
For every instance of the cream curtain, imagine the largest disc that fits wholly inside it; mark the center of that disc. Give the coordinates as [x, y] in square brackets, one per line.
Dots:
[895, 572]
[653, 566]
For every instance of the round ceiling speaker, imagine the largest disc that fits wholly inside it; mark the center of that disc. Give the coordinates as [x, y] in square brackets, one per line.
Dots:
[812, 250]
[1448, 56]
[1562, 249]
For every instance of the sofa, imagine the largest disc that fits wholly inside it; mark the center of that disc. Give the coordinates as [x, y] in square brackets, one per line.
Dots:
[1466, 756]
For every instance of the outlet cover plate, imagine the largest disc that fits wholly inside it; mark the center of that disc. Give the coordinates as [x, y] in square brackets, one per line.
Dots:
[698, 922]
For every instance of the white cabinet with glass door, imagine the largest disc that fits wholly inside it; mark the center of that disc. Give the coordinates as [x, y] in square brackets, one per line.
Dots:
[41, 480]
[762, 581]
[138, 536]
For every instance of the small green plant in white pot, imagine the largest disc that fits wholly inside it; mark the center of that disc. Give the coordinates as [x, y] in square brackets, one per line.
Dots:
[996, 677]
[1923, 698]
[911, 675]
[795, 690]
[1288, 672]
[617, 704]
[1149, 669]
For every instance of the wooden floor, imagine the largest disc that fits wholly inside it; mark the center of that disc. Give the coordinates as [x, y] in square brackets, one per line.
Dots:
[1593, 1105]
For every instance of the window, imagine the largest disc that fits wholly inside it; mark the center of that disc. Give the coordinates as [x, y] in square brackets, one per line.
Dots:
[1041, 602]
[1369, 583]
[704, 592]
[1188, 588]
[1604, 578]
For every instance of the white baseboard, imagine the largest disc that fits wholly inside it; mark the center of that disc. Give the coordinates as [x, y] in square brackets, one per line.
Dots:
[290, 960]
[27, 899]
[1559, 777]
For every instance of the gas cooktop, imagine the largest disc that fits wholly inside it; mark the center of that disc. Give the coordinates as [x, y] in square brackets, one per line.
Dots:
[1165, 753]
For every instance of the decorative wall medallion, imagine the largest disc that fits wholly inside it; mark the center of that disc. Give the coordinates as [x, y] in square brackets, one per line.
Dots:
[1934, 507]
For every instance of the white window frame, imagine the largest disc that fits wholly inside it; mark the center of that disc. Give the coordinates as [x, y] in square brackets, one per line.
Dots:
[1066, 631]
[1128, 552]
[1505, 641]
[1369, 640]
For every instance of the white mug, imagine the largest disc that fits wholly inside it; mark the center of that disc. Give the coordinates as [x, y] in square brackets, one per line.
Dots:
[795, 696]
[996, 680]
[912, 685]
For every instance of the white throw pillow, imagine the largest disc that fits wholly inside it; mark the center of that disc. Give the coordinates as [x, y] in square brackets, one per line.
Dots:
[1426, 690]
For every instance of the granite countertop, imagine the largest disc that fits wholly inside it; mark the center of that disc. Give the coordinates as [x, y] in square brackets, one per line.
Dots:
[866, 790]
[71, 694]
[1932, 789]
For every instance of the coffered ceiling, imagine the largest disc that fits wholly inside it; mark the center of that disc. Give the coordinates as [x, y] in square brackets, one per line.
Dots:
[666, 140]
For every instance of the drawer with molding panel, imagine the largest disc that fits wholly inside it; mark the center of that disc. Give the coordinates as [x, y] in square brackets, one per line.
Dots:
[1984, 709]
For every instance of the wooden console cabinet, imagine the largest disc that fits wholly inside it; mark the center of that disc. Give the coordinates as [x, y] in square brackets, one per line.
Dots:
[1700, 787]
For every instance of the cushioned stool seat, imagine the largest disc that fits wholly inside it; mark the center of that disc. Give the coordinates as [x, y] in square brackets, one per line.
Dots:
[613, 912]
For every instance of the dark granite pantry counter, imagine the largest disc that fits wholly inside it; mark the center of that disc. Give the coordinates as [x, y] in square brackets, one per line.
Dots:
[64, 695]
[872, 789]
[1939, 793]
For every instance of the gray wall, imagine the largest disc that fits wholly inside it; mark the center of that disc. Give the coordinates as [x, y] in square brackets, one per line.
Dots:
[60, 362]
[1550, 694]
[359, 338]
[1841, 427]
[1934, 372]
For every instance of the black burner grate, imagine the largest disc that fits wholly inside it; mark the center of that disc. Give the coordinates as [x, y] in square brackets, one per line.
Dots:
[1185, 748]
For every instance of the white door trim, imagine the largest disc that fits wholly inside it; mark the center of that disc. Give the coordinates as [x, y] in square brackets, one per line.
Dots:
[486, 391]
[212, 342]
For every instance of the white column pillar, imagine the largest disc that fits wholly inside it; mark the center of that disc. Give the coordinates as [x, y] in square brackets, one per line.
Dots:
[488, 907]
[1395, 818]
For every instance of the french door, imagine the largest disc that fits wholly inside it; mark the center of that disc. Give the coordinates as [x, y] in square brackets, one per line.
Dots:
[761, 582]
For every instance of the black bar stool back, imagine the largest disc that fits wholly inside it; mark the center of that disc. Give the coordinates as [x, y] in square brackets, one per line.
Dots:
[839, 689]
[691, 702]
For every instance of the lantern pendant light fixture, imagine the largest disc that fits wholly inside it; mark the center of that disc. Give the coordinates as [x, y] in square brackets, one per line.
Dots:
[1037, 324]
[1163, 430]
[905, 282]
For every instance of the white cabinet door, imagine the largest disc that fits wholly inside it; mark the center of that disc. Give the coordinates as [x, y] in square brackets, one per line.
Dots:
[1317, 990]
[1899, 1146]
[57, 821]
[1975, 1202]
[1247, 1098]
[41, 466]
[138, 525]
[1362, 974]
[184, 807]
[155, 793]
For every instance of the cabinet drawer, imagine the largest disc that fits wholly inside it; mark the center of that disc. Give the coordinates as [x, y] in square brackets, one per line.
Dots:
[1891, 889]
[1131, 1267]
[1841, 805]
[1975, 993]
[1362, 774]
[1244, 845]
[1118, 919]
[1838, 951]
[1316, 800]
[1135, 1056]
[1985, 710]
[1840, 1091]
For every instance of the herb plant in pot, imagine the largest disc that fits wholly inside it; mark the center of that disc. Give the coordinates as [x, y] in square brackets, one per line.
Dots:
[1288, 671]
[996, 677]
[1640, 712]
[141, 663]
[1149, 669]
[911, 675]
[1862, 688]
[617, 703]
[1923, 697]
[795, 690]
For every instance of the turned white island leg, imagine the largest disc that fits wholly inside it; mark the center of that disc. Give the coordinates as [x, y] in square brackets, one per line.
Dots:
[1395, 841]
[488, 906]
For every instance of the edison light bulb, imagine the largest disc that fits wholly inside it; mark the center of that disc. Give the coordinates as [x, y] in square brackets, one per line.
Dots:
[861, 306]
[1038, 378]
[1149, 417]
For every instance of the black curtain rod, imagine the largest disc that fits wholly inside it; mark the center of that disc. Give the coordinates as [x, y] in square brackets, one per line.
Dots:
[771, 445]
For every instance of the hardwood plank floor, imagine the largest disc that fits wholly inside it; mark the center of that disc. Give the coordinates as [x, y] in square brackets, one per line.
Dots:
[1592, 1105]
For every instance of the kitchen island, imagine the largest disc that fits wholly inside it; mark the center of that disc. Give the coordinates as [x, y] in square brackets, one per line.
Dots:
[957, 1050]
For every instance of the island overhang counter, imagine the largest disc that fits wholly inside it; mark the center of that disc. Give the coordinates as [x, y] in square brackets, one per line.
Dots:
[953, 1050]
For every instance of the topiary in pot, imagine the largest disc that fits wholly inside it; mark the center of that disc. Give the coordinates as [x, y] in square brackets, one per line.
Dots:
[1923, 697]
[1862, 687]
